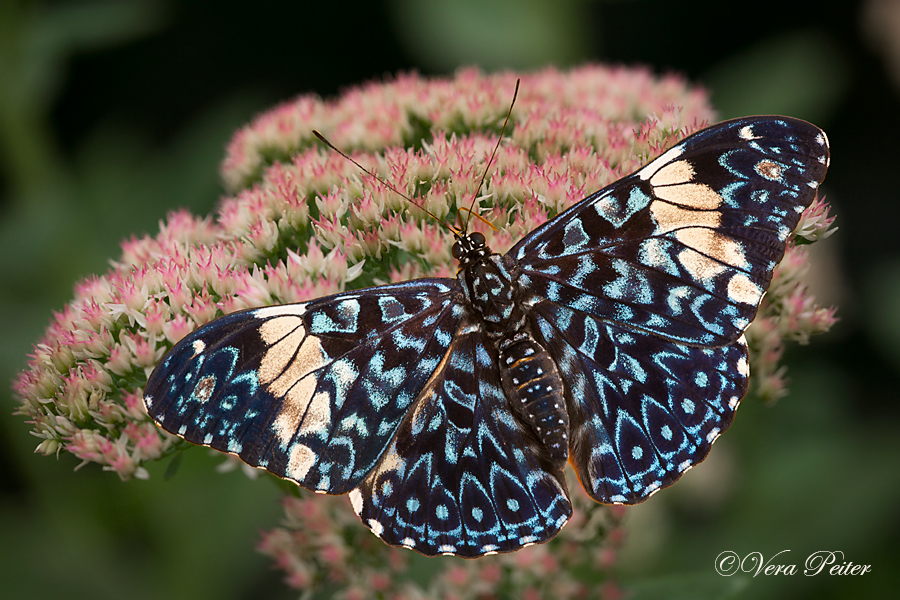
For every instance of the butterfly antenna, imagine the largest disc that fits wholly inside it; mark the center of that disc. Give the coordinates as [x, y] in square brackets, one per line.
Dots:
[456, 232]
[491, 160]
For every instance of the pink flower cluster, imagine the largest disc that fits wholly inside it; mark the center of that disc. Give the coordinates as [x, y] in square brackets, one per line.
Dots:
[321, 545]
[592, 106]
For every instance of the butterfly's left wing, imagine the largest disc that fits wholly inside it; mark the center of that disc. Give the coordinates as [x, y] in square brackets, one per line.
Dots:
[463, 476]
[392, 392]
[313, 392]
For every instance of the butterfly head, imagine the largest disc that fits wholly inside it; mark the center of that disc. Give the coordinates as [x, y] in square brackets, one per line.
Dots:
[470, 246]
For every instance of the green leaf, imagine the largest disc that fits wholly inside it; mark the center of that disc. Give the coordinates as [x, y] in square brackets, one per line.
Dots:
[173, 466]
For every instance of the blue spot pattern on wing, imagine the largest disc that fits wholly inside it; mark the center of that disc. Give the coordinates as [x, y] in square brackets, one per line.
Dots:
[685, 247]
[408, 396]
[483, 486]
[643, 409]
[313, 392]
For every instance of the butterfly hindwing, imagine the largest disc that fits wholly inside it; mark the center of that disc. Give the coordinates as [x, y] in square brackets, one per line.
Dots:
[314, 391]
[642, 409]
[463, 476]
[685, 247]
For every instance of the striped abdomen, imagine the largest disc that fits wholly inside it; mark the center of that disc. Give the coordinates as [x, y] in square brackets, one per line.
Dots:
[535, 390]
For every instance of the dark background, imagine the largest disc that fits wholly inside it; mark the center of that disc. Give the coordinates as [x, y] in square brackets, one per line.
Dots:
[113, 113]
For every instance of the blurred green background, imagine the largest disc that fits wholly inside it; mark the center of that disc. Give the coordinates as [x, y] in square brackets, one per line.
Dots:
[113, 113]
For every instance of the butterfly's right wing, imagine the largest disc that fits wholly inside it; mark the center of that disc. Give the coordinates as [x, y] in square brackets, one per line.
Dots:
[314, 391]
[641, 294]
[685, 247]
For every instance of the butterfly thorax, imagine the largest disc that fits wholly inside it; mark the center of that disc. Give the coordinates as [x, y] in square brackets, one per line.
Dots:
[530, 378]
[491, 291]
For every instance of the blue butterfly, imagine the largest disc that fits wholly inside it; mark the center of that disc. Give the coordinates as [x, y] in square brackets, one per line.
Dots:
[610, 337]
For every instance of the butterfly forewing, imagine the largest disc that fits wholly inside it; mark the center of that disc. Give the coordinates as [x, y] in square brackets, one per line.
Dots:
[314, 391]
[685, 247]
[463, 476]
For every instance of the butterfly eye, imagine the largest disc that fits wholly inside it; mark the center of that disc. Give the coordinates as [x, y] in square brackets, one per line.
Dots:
[477, 239]
[457, 250]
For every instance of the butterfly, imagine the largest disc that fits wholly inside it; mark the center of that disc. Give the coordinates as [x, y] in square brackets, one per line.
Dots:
[610, 337]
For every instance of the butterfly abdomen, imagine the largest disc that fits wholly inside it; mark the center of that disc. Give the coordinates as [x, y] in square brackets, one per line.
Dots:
[534, 389]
